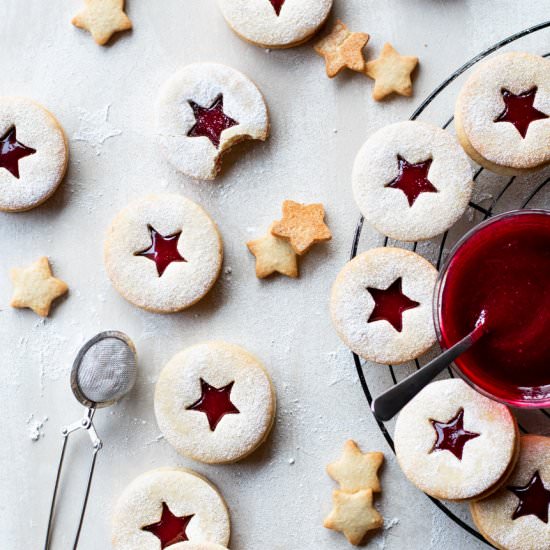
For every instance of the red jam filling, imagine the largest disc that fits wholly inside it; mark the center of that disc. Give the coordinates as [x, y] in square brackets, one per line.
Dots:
[210, 121]
[277, 5]
[503, 272]
[12, 151]
[390, 304]
[163, 250]
[215, 403]
[534, 499]
[451, 436]
[170, 529]
[519, 110]
[413, 179]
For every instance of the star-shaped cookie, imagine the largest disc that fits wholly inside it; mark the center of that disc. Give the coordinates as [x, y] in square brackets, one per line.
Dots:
[391, 73]
[35, 287]
[355, 470]
[302, 225]
[102, 18]
[273, 255]
[342, 49]
[353, 515]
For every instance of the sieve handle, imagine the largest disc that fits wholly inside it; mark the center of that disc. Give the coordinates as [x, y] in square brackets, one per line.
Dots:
[86, 424]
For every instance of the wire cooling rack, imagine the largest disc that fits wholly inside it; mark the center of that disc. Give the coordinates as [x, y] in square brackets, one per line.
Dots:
[494, 194]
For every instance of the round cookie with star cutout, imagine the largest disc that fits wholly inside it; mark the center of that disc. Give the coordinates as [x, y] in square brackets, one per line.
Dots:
[163, 253]
[167, 506]
[381, 305]
[412, 181]
[198, 546]
[516, 517]
[502, 114]
[275, 23]
[215, 402]
[33, 154]
[455, 444]
[202, 111]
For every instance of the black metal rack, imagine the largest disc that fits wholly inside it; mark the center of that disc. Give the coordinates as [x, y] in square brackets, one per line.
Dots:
[534, 191]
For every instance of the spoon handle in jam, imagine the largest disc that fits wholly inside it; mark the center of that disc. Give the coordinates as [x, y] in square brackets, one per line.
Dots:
[388, 404]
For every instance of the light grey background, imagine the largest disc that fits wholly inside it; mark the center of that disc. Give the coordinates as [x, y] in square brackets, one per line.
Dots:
[104, 99]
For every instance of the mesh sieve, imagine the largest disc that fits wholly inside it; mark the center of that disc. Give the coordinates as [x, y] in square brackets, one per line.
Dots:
[105, 369]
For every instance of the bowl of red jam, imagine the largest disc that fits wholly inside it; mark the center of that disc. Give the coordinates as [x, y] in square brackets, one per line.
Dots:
[499, 274]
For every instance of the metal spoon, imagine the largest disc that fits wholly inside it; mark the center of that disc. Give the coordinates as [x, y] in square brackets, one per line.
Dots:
[388, 404]
[104, 370]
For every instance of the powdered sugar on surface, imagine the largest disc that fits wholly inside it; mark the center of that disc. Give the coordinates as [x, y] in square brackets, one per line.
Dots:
[95, 128]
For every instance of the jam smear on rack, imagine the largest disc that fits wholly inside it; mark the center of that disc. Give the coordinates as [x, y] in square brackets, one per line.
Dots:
[277, 6]
[163, 250]
[390, 304]
[215, 403]
[12, 151]
[413, 179]
[534, 499]
[451, 436]
[519, 110]
[210, 121]
[170, 529]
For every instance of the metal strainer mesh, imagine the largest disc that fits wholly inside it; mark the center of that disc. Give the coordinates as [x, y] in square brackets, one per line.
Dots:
[107, 370]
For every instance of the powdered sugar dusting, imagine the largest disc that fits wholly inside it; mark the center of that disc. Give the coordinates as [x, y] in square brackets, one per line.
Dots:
[256, 20]
[95, 128]
[351, 305]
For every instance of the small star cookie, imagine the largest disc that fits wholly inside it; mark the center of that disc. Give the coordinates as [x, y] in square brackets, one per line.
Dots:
[353, 515]
[273, 255]
[302, 225]
[355, 470]
[103, 18]
[391, 73]
[36, 288]
[342, 49]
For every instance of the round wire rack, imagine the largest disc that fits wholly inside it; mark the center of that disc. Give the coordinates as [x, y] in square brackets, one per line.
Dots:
[493, 194]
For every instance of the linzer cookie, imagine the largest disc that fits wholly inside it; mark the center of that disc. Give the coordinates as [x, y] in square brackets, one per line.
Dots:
[275, 23]
[516, 517]
[412, 181]
[455, 444]
[381, 305]
[215, 403]
[202, 111]
[164, 507]
[33, 154]
[198, 546]
[502, 115]
[163, 253]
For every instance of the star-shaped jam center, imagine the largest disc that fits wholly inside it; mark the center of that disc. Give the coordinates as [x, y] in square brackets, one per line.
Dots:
[277, 5]
[12, 151]
[519, 110]
[170, 529]
[210, 121]
[390, 304]
[412, 179]
[534, 499]
[163, 250]
[451, 436]
[215, 403]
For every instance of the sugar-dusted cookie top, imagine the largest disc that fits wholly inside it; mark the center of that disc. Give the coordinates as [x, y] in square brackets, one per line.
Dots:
[33, 154]
[517, 516]
[163, 507]
[214, 402]
[275, 23]
[412, 181]
[502, 114]
[381, 305]
[163, 253]
[202, 111]
[453, 443]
